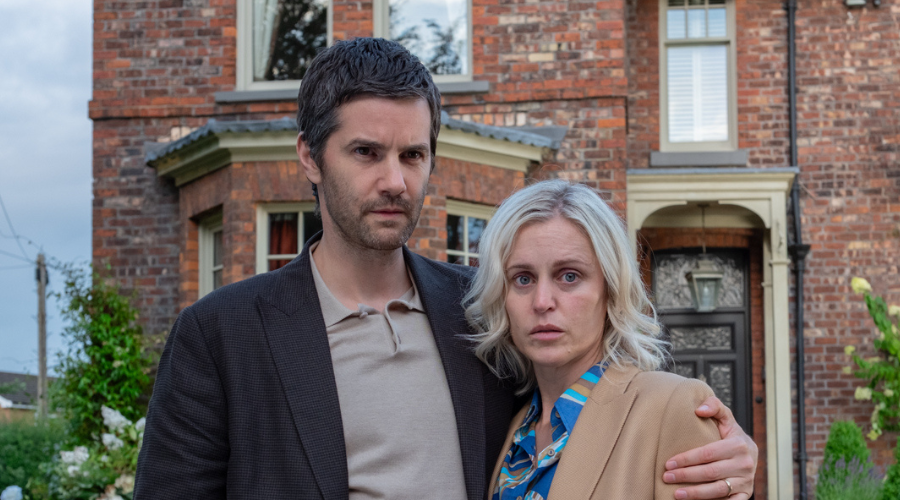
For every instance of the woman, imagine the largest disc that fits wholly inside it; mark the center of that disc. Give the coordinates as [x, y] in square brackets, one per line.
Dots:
[559, 304]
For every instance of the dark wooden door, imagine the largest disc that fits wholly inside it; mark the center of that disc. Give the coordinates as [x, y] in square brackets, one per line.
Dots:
[713, 346]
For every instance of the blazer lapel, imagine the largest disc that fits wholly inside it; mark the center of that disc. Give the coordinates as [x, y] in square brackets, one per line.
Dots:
[584, 458]
[441, 296]
[295, 331]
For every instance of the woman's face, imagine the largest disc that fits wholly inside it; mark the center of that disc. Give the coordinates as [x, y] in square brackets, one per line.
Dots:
[556, 298]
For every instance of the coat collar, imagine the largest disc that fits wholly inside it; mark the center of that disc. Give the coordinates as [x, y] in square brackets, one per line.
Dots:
[607, 407]
[295, 331]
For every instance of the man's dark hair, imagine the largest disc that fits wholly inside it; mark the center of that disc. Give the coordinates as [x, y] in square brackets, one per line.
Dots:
[362, 67]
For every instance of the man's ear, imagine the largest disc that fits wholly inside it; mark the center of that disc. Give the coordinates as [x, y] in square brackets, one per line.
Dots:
[309, 166]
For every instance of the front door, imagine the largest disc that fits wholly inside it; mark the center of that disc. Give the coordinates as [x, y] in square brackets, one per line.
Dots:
[712, 346]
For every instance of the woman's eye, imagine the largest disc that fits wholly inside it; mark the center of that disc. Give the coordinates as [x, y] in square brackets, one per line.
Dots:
[522, 280]
[570, 277]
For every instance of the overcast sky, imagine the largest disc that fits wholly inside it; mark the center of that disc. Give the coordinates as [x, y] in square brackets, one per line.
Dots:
[45, 161]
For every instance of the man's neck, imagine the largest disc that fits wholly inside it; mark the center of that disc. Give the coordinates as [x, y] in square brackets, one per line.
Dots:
[361, 276]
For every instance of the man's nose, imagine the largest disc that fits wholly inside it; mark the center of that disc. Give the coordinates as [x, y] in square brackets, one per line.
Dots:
[392, 181]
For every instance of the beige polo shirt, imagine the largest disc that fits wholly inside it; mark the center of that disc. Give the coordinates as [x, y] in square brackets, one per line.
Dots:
[399, 426]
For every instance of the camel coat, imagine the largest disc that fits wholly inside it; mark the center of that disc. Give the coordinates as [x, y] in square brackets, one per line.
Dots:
[632, 422]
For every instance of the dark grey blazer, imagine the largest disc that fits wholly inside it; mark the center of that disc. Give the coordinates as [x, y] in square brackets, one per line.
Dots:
[245, 404]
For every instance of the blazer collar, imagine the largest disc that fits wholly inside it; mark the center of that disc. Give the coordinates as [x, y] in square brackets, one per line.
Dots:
[607, 408]
[295, 331]
[442, 292]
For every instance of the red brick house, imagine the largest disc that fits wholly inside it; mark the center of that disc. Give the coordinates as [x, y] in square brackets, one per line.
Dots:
[678, 110]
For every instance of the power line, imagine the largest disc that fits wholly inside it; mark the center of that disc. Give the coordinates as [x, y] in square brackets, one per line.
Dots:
[3, 252]
[12, 230]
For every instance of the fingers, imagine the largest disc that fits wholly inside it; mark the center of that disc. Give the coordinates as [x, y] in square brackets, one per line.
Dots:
[716, 451]
[717, 489]
[713, 408]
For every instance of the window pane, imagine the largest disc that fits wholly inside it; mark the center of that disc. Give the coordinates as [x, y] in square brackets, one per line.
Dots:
[696, 23]
[717, 2]
[217, 248]
[695, 2]
[675, 27]
[283, 233]
[698, 93]
[676, 3]
[277, 264]
[717, 25]
[473, 261]
[217, 279]
[454, 232]
[437, 32]
[286, 36]
[311, 225]
[456, 259]
[476, 227]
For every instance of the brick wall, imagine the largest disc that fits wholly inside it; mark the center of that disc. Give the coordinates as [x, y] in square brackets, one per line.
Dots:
[848, 65]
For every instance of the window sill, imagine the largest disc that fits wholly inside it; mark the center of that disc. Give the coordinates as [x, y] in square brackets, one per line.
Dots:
[291, 94]
[736, 158]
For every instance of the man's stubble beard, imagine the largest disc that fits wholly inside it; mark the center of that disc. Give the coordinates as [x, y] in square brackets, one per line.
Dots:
[353, 226]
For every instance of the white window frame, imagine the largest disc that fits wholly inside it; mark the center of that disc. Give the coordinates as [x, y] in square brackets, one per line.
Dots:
[466, 210]
[207, 228]
[731, 144]
[381, 28]
[244, 63]
[262, 230]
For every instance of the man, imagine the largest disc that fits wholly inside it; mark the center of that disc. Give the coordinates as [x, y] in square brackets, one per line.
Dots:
[343, 374]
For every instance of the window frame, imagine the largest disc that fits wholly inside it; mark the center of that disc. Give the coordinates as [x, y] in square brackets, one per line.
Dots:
[467, 209]
[731, 144]
[381, 28]
[244, 63]
[207, 228]
[263, 210]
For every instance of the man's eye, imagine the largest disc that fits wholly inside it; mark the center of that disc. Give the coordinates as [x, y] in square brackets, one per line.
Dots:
[415, 155]
[363, 150]
[570, 277]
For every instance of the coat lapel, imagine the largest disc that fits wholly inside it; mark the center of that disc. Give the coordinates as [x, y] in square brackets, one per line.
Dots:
[585, 457]
[295, 331]
[441, 296]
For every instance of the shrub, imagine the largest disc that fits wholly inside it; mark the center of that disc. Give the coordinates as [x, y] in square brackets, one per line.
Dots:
[24, 445]
[105, 364]
[846, 472]
[854, 480]
[891, 488]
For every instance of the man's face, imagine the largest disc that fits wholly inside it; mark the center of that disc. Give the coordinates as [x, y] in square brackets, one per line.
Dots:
[374, 172]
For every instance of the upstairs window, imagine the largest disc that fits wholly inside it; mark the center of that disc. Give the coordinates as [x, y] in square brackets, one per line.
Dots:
[697, 75]
[211, 254]
[438, 32]
[277, 39]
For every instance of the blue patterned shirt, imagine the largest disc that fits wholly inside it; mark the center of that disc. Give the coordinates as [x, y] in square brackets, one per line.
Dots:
[519, 477]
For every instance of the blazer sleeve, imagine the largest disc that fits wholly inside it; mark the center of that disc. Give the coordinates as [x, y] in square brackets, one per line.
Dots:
[682, 430]
[185, 450]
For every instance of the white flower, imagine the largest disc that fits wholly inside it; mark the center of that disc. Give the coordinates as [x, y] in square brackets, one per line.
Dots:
[72, 470]
[139, 425]
[849, 350]
[894, 310]
[125, 482]
[114, 420]
[863, 393]
[860, 285]
[76, 456]
[888, 393]
[104, 458]
[11, 493]
[111, 441]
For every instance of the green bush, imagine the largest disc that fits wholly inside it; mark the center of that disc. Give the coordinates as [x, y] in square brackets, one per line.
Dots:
[106, 364]
[891, 488]
[846, 472]
[24, 445]
[845, 440]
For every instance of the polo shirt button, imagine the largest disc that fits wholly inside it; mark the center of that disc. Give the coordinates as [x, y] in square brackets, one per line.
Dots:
[518, 498]
[551, 452]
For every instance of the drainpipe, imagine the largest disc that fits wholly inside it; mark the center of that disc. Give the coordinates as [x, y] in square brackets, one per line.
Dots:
[798, 253]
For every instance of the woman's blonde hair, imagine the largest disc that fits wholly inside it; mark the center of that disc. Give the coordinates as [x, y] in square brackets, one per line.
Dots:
[631, 333]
